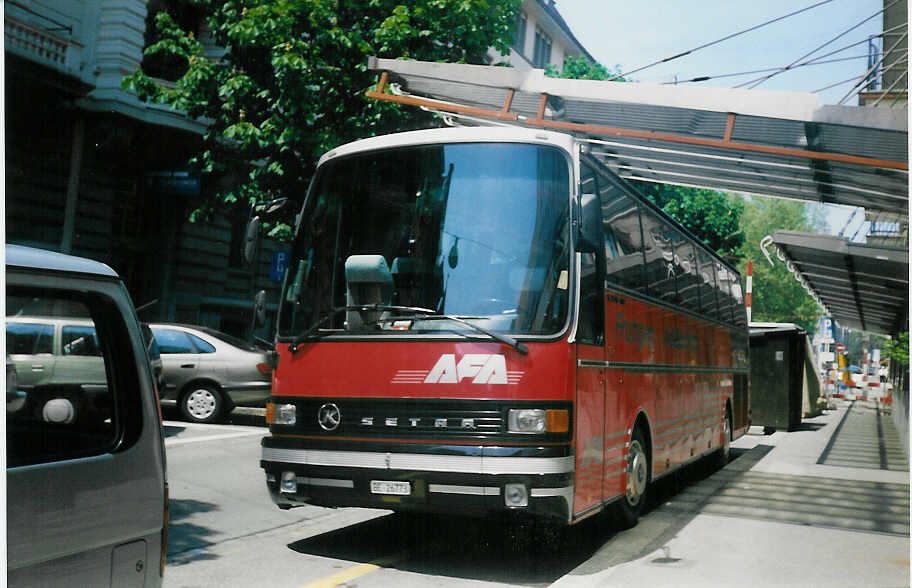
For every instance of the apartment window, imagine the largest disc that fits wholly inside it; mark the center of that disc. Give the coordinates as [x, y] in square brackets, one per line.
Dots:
[542, 55]
[519, 37]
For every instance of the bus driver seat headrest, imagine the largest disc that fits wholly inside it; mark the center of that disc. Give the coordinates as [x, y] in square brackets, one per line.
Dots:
[368, 281]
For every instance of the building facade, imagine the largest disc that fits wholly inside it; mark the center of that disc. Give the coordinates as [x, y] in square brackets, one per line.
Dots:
[541, 38]
[92, 171]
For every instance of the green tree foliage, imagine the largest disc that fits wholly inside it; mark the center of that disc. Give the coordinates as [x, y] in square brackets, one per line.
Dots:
[713, 217]
[777, 296]
[897, 349]
[579, 68]
[291, 83]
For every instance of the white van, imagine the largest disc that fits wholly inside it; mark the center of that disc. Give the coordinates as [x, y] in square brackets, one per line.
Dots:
[87, 493]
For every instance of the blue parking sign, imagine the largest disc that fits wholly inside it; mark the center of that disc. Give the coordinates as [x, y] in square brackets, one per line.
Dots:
[278, 266]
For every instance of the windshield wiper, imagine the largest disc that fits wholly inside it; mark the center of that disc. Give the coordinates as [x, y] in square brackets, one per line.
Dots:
[426, 313]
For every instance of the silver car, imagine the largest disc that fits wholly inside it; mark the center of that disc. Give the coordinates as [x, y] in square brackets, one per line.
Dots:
[49, 350]
[207, 373]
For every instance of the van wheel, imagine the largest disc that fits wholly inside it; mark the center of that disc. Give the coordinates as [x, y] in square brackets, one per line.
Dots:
[202, 404]
[637, 478]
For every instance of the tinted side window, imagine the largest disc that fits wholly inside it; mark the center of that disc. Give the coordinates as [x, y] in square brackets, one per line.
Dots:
[738, 302]
[80, 340]
[67, 409]
[29, 338]
[688, 278]
[725, 300]
[171, 341]
[201, 346]
[591, 328]
[660, 240]
[707, 284]
[623, 240]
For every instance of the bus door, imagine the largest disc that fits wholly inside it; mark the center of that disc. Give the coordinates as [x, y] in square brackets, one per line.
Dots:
[590, 350]
[590, 388]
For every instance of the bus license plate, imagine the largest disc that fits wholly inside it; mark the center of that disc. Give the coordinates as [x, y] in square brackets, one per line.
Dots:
[395, 488]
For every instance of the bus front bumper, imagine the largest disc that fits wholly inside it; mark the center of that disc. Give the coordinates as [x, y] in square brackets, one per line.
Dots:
[470, 480]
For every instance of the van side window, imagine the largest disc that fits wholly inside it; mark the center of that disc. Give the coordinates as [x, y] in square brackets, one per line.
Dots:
[65, 404]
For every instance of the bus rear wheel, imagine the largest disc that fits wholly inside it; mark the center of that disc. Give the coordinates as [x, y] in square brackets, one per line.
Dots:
[724, 452]
[637, 480]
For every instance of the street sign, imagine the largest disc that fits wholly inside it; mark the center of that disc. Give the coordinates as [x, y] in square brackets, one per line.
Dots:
[278, 266]
[840, 348]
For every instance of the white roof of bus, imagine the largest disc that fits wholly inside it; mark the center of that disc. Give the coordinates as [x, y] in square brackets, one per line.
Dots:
[453, 135]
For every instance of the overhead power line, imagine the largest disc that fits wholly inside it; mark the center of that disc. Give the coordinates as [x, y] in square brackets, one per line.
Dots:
[754, 83]
[816, 61]
[717, 41]
[875, 66]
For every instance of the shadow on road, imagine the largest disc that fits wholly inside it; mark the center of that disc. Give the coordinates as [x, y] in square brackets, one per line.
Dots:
[496, 551]
[183, 536]
[807, 427]
[467, 548]
[172, 431]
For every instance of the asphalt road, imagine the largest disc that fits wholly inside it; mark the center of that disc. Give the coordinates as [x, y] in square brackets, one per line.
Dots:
[779, 514]
[225, 531]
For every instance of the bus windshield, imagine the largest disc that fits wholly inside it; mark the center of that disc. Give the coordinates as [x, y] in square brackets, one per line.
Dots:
[475, 231]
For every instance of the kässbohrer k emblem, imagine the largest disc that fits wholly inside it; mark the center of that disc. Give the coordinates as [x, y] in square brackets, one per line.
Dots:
[329, 417]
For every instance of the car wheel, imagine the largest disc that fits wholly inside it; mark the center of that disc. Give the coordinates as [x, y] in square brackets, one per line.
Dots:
[638, 473]
[202, 404]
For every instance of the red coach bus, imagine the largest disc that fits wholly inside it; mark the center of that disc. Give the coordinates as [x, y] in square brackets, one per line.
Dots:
[484, 320]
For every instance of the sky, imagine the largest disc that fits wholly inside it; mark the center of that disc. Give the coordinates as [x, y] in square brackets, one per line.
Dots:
[630, 34]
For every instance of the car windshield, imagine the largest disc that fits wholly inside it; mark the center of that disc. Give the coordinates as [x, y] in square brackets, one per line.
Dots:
[478, 231]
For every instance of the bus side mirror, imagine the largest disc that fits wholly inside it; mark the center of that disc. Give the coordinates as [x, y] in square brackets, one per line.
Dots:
[590, 224]
[259, 309]
[248, 248]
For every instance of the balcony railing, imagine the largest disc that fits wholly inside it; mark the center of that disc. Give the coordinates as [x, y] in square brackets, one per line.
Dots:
[39, 45]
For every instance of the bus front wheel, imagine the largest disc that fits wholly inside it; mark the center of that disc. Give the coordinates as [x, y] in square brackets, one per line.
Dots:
[637, 480]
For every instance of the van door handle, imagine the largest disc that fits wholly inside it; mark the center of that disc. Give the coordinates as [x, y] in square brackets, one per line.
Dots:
[188, 365]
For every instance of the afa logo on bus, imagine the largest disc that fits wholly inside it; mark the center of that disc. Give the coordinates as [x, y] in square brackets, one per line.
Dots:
[471, 368]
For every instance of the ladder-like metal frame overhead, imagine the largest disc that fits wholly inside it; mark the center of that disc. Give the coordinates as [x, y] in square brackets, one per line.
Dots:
[779, 144]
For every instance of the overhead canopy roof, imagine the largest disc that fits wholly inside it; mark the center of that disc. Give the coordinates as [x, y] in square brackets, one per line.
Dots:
[781, 144]
[861, 286]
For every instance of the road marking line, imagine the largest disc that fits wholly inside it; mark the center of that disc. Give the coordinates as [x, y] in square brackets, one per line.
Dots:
[173, 442]
[352, 573]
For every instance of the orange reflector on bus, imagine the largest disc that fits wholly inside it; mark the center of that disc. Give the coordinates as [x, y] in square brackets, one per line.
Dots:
[270, 412]
[558, 421]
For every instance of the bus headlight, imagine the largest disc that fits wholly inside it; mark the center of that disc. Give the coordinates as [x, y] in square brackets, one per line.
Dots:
[285, 414]
[537, 420]
[516, 495]
[526, 420]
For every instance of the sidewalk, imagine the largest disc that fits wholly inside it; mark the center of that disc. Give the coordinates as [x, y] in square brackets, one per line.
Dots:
[825, 505]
